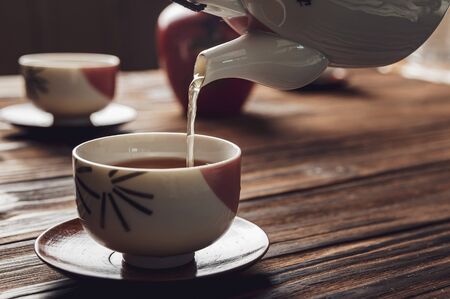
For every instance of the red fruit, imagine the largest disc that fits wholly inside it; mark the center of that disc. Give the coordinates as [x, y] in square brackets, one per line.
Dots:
[181, 36]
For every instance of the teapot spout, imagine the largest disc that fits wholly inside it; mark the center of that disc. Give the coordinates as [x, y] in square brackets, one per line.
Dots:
[262, 58]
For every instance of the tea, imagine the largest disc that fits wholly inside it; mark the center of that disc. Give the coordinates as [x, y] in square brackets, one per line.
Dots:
[158, 163]
[194, 91]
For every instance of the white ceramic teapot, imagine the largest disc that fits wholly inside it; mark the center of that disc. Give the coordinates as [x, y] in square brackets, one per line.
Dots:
[286, 44]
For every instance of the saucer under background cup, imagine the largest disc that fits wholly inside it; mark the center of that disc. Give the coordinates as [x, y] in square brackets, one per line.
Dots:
[27, 116]
[68, 247]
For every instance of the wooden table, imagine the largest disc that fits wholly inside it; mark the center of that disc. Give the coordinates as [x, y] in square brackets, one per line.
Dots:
[352, 187]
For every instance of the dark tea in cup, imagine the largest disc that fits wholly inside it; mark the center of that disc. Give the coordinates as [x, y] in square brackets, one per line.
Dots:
[158, 163]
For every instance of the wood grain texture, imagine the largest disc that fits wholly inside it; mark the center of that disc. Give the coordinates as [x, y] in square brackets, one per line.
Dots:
[352, 187]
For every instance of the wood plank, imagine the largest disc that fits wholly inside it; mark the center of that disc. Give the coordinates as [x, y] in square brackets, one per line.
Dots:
[21, 272]
[28, 208]
[400, 264]
[354, 210]
[311, 220]
[289, 145]
[352, 188]
[438, 293]
[266, 176]
[298, 164]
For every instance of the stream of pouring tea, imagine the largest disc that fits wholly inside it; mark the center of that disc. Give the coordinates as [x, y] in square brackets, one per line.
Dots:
[194, 91]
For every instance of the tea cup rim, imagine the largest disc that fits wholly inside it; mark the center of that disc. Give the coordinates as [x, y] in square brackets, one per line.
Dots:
[234, 157]
[43, 60]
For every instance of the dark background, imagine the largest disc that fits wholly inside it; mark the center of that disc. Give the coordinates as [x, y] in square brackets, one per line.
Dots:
[125, 28]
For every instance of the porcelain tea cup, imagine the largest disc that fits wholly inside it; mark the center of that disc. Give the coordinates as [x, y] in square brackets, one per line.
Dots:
[157, 218]
[69, 85]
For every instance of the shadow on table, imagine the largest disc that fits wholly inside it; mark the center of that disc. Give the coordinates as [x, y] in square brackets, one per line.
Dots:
[347, 91]
[248, 284]
[62, 136]
[246, 124]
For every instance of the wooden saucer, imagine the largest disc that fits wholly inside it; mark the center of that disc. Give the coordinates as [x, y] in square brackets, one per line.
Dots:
[27, 116]
[68, 247]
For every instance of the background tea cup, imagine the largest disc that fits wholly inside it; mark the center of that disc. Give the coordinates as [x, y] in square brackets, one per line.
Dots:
[69, 85]
[157, 217]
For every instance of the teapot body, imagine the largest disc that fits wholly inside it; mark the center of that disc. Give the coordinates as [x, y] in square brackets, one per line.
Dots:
[350, 33]
[287, 44]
